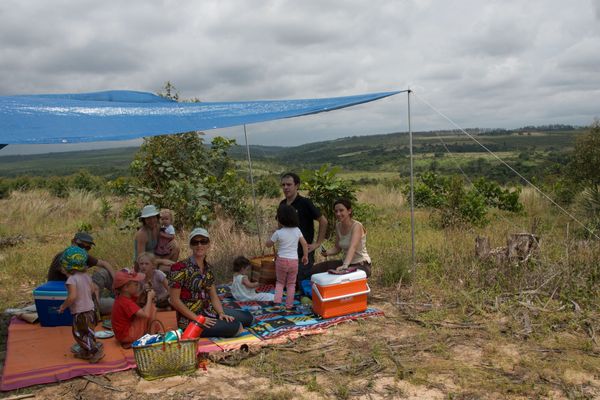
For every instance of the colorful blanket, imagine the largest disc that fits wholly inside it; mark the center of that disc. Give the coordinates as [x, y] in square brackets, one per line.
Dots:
[37, 355]
[274, 321]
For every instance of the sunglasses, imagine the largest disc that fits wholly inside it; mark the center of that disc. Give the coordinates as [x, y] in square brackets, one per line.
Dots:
[84, 246]
[201, 241]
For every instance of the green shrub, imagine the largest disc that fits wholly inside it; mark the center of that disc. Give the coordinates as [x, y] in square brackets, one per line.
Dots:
[324, 188]
[58, 186]
[267, 186]
[195, 181]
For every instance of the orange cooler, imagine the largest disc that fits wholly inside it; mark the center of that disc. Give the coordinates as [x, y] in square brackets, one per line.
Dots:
[335, 295]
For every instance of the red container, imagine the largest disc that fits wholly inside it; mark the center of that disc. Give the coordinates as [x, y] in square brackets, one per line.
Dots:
[335, 295]
[194, 328]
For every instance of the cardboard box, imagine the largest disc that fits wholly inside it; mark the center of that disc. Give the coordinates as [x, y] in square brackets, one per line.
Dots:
[48, 298]
[335, 295]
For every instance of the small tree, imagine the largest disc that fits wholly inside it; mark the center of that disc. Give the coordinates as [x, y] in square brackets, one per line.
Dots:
[324, 188]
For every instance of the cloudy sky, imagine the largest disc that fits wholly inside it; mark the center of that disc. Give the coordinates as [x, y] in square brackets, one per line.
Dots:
[482, 63]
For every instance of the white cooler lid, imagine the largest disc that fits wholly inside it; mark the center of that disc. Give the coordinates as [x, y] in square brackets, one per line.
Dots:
[326, 279]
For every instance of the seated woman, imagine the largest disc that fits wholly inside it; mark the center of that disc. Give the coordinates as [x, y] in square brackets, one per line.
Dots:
[193, 292]
[146, 239]
[351, 239]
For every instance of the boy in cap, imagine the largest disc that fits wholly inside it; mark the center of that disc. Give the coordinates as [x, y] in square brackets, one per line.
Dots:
[129, 320]
[79, 302]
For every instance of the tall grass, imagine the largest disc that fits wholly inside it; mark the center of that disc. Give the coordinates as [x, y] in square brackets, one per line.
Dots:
[445, 259]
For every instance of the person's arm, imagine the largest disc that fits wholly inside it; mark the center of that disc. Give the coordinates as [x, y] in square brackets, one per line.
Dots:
[177, 304]
[357, 232]
[166, 235]
[335, 249]
[250, 285]
[321, 236]
[304, 250]
[165, 283]
[71, 296]
[216, 303]
[145, 312]
[140, 241]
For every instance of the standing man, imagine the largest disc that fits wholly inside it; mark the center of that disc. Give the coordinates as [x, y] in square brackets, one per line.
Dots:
[307, 214]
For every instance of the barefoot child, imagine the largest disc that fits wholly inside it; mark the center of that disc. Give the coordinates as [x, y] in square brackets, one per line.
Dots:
[155, 279]
[242, 289]
[79, 302]
[129, 321]
[287, 238]
[166, 236]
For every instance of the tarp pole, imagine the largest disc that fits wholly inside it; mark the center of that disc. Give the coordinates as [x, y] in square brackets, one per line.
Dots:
[412, 189]
[256, 211]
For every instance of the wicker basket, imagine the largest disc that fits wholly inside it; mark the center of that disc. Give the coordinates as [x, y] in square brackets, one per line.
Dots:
[159, 360]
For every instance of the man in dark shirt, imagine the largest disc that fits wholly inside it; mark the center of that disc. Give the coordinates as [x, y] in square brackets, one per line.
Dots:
[85, 241]
[307, 214]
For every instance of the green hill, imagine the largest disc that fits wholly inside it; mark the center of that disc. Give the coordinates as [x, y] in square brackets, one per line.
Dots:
[384, 152]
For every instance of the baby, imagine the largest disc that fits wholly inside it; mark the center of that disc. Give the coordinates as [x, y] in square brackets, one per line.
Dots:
[166, 235]
[242, 289]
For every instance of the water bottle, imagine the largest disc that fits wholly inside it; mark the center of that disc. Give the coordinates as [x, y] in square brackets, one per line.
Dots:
[194, 328]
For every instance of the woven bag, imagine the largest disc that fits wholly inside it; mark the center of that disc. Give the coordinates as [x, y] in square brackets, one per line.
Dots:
[162, 359]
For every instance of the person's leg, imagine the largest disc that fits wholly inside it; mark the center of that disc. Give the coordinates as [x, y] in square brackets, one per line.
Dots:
[291, 284]
[325, 266]
[243, 317]
[106, 304]
[223, 329]
[280, 279]
[83, 332]
[304, 271]
[264, 297]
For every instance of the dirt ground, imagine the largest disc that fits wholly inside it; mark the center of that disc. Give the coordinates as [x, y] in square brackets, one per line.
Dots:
[400, 356]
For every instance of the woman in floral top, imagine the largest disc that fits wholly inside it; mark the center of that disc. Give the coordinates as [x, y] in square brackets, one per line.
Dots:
[193, 292]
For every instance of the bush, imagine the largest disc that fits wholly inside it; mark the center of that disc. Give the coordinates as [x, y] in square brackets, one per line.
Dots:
[180, 173]
[267, 186]
[324, 188]
[455, 205]
[58, 186]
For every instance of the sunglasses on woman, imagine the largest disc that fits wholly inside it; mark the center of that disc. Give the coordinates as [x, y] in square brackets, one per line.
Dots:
[199, 241]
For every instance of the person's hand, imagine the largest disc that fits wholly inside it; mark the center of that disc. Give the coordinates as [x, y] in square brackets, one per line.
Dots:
[209, 322]
[342, 267]
[312, 247]
[151, 294]
[323, 251]
[61, 309]
[305, 259]
[226, 318]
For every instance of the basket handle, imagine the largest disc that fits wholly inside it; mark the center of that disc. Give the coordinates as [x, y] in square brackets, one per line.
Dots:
[164, 332]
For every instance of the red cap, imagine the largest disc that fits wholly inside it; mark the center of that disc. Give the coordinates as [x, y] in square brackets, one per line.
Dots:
[124, 276]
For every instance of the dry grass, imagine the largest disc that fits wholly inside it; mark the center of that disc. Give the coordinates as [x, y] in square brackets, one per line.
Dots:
[456, 328]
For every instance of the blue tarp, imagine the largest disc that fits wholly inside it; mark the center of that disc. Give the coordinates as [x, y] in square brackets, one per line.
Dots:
[122, 115]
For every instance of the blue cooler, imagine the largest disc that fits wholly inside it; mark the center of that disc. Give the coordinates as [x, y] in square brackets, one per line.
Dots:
[48, 299]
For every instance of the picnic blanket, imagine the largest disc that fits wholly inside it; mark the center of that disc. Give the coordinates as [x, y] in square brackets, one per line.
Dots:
[37, 355]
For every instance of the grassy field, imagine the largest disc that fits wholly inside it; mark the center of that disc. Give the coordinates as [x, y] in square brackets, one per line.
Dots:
[455, 326]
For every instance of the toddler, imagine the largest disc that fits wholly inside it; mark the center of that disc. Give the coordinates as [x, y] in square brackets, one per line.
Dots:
[166, 235]
[79, 301]
[155, 279]
[130, 321]
[286, 264]
[242, 289]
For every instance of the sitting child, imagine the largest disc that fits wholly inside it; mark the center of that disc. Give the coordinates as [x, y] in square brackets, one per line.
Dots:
[129, 321]
[242, 289]
[79, 301]
[166, 235]
[155, 279]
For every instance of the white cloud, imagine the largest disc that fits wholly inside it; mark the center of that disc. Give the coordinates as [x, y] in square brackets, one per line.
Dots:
[487, 64]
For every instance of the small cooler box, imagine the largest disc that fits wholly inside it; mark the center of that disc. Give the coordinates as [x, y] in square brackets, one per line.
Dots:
[48, 299]
[335, 295]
